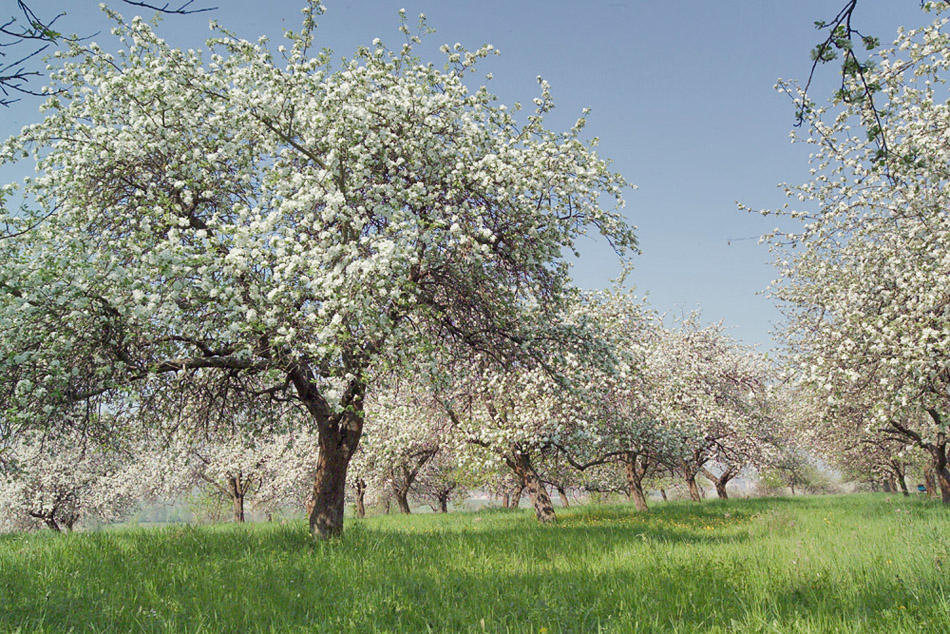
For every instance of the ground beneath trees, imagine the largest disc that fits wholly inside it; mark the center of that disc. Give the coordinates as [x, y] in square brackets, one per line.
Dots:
[869, 563]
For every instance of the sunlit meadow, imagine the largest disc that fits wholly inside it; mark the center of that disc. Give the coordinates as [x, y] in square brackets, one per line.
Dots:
[871, 563]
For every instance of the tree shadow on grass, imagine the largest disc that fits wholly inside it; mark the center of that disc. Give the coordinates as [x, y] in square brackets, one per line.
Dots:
[600, 568]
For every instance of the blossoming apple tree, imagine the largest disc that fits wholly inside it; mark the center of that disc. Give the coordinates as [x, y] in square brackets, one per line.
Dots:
[60, 478]
[712, 395]
[405, 428]
[866, 276]
[240, 214]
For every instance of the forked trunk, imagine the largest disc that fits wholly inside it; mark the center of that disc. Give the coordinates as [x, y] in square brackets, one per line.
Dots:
[635, 469]
[360, 497]
[720, 481]
[236, 493]
[543, 508]
[338, 443]
[402, 481]
[48, 519]
[339, 436]
[402, 500]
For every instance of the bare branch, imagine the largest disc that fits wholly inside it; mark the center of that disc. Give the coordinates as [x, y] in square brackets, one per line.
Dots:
[182, 9]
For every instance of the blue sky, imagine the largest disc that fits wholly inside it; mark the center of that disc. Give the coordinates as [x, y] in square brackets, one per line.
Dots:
[682, 100]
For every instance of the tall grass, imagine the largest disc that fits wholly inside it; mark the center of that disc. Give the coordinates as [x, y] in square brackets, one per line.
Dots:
[871, 563]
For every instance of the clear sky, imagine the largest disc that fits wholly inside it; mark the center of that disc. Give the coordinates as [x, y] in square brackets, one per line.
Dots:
[681, 95]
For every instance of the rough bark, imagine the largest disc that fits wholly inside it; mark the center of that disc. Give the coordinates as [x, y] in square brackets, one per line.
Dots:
[635, 468]
[338, 443]
[360, 497]
[515, 496]
[236, 493]
[338, 435]
[930, 481]
[520, 462]
[505, 499]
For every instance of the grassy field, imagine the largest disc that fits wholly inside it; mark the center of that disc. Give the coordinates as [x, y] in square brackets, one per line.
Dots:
[872, 563]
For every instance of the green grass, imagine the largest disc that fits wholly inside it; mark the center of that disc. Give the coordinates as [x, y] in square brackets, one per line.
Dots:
[871, 563]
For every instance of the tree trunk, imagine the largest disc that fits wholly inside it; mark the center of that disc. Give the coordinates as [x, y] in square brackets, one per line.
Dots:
[49, 520]
[443, 502]
[360, 497]
[505, 500]
[516, 492]
[719, 481]
[338, 443]
[694, 494]
[663, 494]
[792, 487]
[635, 469]
[930, 482]
[939, 453]
[543, 509]
[236, 493]
[900, 471]
[238, 503]
[902, 482]
[887, 486]
[563, 494]
[402, 500]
